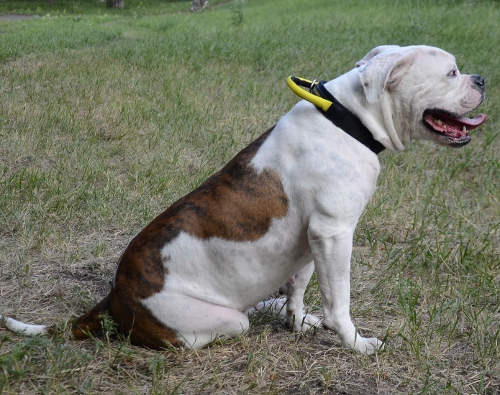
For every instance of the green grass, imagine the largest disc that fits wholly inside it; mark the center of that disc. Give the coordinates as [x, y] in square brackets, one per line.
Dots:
[108, 116]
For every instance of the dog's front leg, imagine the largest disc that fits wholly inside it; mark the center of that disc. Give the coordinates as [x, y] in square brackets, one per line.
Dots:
[332, 255]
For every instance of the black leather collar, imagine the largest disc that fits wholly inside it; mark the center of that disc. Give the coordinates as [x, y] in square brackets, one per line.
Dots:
[333, 110]
[346, 120]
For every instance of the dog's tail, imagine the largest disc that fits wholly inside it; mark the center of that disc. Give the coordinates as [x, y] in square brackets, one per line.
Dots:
[84, 326]
[26, 329]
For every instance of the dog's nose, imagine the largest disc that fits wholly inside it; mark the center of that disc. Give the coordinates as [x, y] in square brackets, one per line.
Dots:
[478, 80]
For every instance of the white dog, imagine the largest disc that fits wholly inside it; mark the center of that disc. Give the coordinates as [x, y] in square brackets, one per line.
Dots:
[285, 206]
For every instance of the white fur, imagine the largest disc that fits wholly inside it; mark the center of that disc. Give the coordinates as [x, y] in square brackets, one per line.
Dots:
[20, 327]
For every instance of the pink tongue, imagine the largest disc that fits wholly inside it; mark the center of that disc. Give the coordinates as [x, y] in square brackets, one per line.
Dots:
[464, 121]
[472, 123]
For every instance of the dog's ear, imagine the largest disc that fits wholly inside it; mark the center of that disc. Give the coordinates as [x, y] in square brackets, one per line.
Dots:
[374, 52]
[383, 68]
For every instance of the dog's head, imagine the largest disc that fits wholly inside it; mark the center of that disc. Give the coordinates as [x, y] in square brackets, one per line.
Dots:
[423, 90]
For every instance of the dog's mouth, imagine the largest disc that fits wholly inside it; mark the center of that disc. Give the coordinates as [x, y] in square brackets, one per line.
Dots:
[454, 129]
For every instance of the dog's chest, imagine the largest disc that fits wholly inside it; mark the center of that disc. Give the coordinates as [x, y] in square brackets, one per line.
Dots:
[320, 166]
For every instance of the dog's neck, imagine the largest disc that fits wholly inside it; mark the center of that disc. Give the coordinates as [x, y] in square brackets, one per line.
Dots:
[343, 118]
[378, 115]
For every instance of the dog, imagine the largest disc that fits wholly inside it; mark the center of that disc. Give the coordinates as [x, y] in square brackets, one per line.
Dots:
[287, 205]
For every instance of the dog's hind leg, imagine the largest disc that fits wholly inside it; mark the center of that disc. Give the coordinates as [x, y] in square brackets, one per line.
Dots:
[195, 321]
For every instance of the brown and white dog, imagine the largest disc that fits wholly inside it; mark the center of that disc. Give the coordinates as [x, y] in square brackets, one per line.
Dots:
[285, 206]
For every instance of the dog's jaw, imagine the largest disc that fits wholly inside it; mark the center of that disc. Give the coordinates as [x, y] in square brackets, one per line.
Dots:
[452, 130]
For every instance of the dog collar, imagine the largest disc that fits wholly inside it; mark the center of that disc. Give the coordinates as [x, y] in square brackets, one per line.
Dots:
[333, 110]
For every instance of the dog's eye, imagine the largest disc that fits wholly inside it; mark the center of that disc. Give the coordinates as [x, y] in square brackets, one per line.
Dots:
[453, 73]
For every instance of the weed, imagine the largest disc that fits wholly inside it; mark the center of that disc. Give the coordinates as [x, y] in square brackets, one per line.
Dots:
[237, 12]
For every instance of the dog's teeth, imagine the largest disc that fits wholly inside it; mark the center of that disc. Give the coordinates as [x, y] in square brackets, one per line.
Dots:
[439, 122]
[464, 130]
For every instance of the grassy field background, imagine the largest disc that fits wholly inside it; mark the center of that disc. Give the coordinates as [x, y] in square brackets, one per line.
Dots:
[108, 116]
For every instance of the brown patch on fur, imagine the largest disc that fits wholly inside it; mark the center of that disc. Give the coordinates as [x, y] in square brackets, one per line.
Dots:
[137, 322]
[134, 320]
[237, 203]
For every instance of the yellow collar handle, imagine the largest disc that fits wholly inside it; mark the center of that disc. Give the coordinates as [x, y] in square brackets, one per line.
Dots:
[295, 84]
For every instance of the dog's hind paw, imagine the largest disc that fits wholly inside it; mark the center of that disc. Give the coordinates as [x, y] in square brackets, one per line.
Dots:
[312, 321]
[275, 306]
[297, 322]
[304, 323]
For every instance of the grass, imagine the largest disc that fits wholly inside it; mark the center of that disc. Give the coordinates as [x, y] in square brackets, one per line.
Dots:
[108, 116]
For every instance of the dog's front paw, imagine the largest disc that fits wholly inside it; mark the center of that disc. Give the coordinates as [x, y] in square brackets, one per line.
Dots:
[368, 346]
